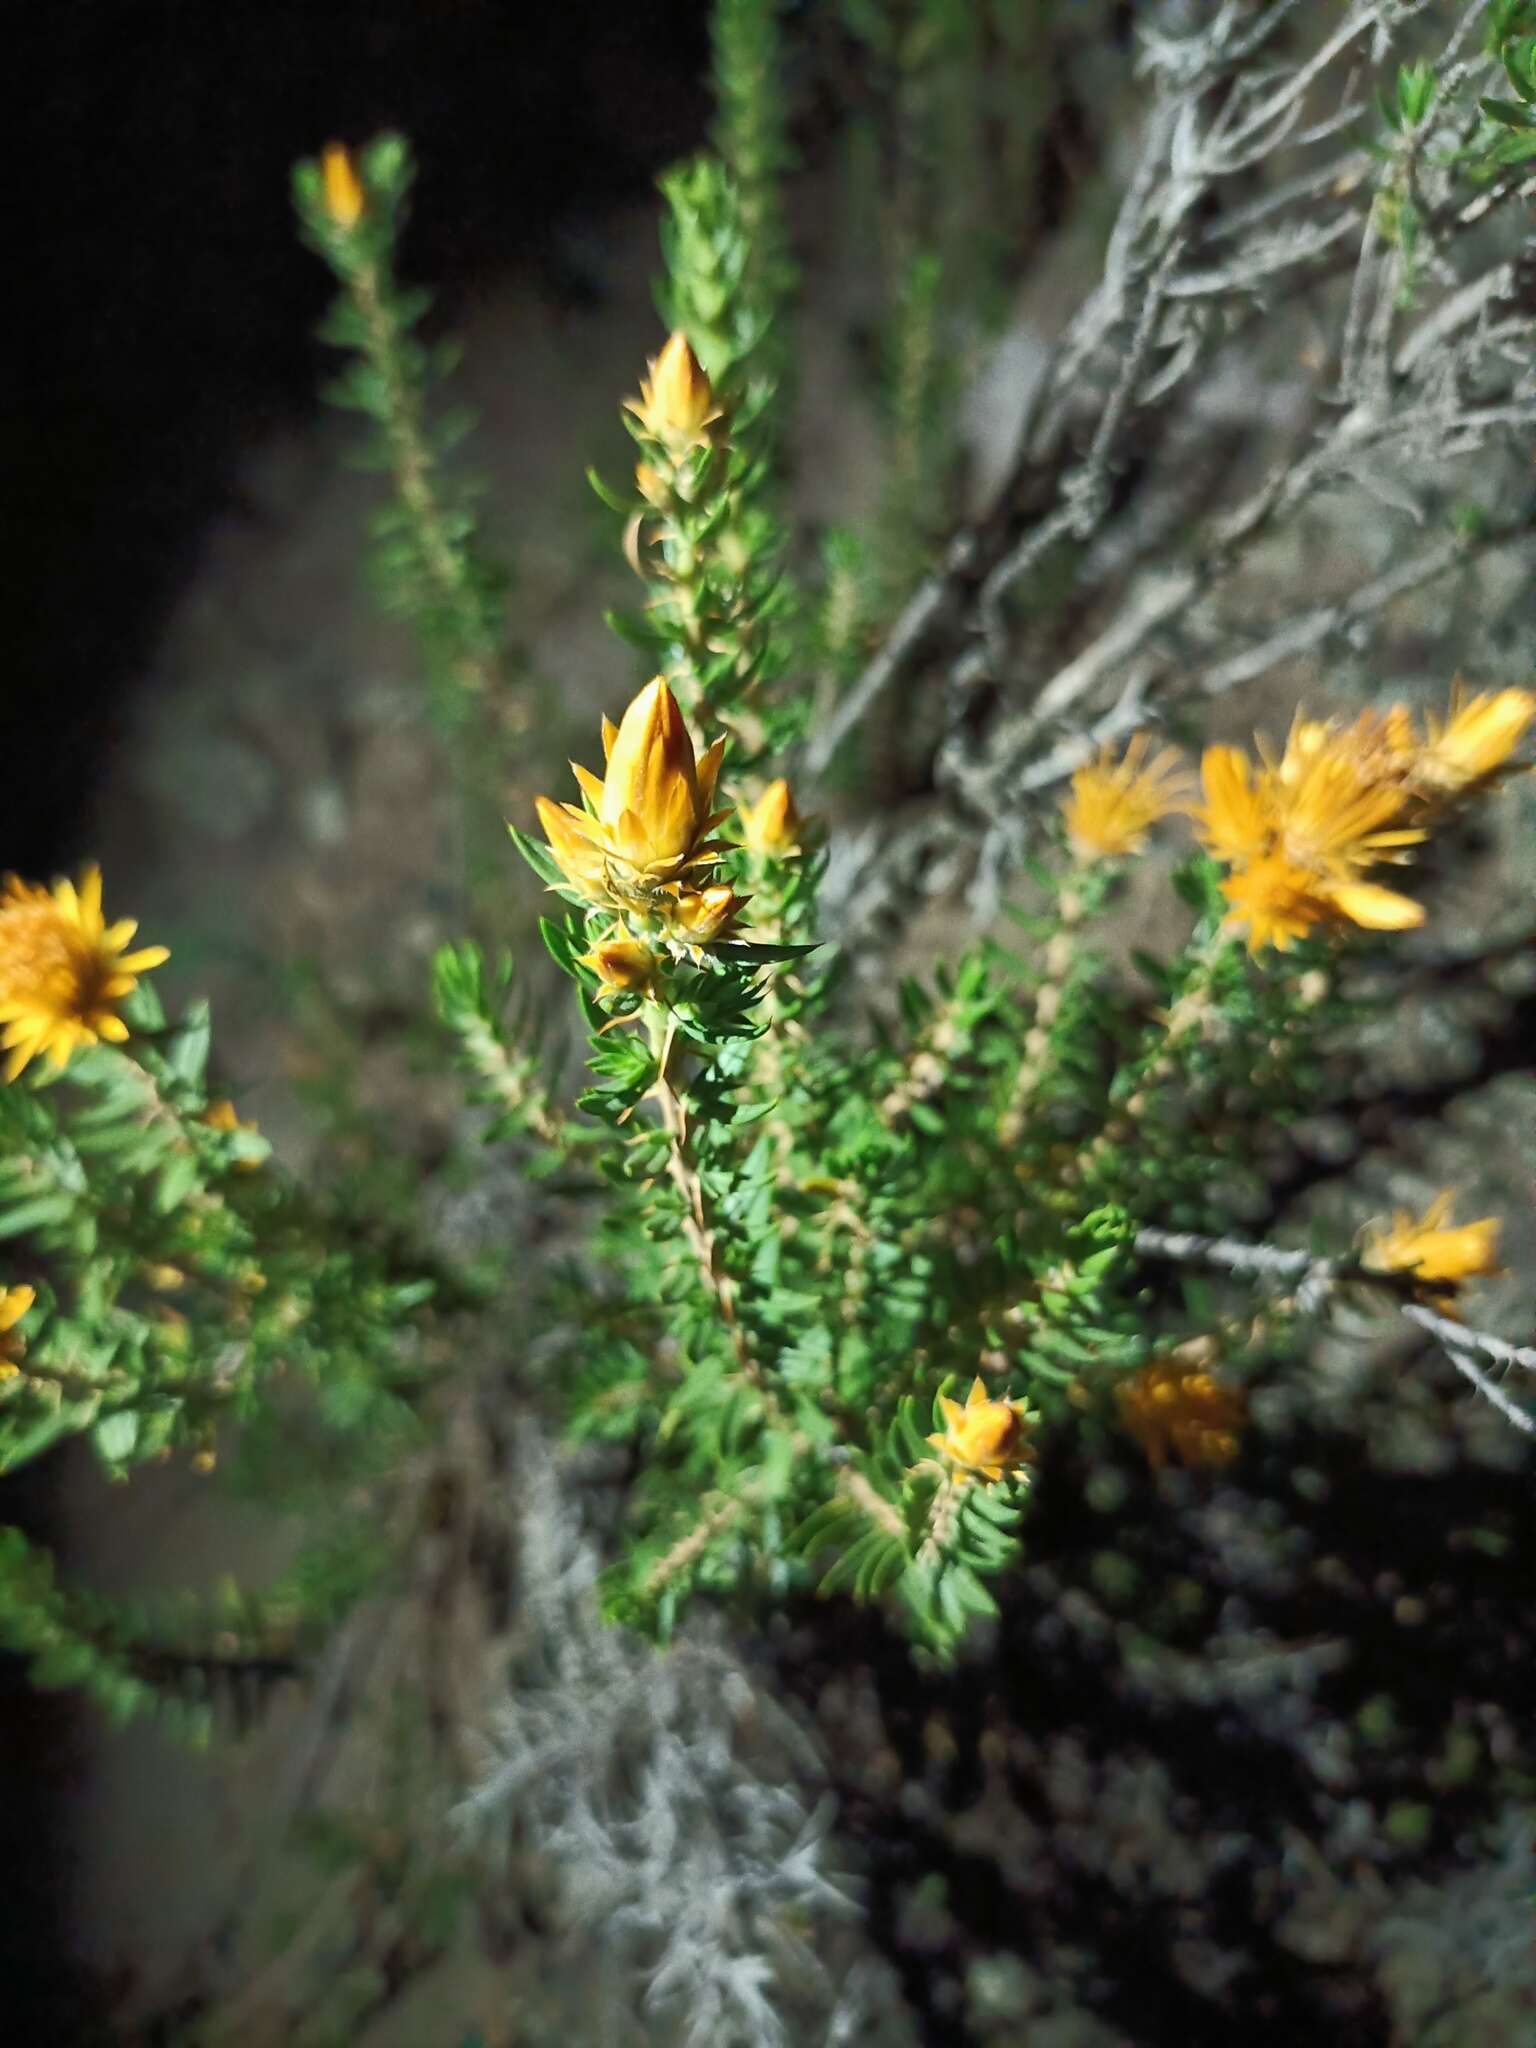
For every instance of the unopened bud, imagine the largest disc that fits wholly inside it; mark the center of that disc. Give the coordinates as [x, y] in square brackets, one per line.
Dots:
[341, 187]
[772, 824]
[677, 401]
[623, 965]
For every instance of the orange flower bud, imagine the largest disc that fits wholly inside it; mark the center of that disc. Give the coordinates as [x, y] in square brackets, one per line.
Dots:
[623, 965]
[676, 405]
[986, 1438]
[772, 825]
[340, 186]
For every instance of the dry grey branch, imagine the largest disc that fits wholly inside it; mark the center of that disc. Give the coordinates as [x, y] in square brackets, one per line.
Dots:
[1316, 1278]
[1429, 365]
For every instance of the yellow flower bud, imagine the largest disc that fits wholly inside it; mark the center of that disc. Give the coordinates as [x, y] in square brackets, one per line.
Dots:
[649, 818]
[652, 777]
[1473, 742]
[701, 916]
[676, 405]
[986, 1438]
[623, 965]
[223, 1116]
[341, 187]
[772, 825]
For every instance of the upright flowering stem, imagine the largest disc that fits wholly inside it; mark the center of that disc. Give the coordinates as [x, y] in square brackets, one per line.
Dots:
[430, 557]
[1065, 963]
[698, 1223]
[1160, 1062]
[413, 469]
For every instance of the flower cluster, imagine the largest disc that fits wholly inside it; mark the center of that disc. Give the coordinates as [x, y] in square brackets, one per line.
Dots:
[1176, 1407]
[1300, 833]
[63, 970]
[642, 845]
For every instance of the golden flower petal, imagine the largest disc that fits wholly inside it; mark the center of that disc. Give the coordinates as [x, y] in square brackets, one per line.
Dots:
[1235, 822]
[1374, 908]
[14, 1303]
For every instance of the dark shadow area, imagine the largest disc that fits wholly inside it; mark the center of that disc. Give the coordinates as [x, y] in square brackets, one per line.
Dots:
[162, 310]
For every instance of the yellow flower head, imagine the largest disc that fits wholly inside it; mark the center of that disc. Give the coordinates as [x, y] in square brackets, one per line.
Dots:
[1176, 1408]
[14, 1303]
[644, 833]
[984, 1439]
[622, 965]
[62, 969]
[1438, 1254]
[1332, 816]
[772, 825]
[1278, 902]
[1114, 805]
[1473, 742]
[340, 186]
[676, 405]
[1297, 832]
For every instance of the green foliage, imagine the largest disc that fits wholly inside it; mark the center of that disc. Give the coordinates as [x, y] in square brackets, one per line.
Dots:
[179, 1277]
[431, 563]
[1510, 136]
[751, 136]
